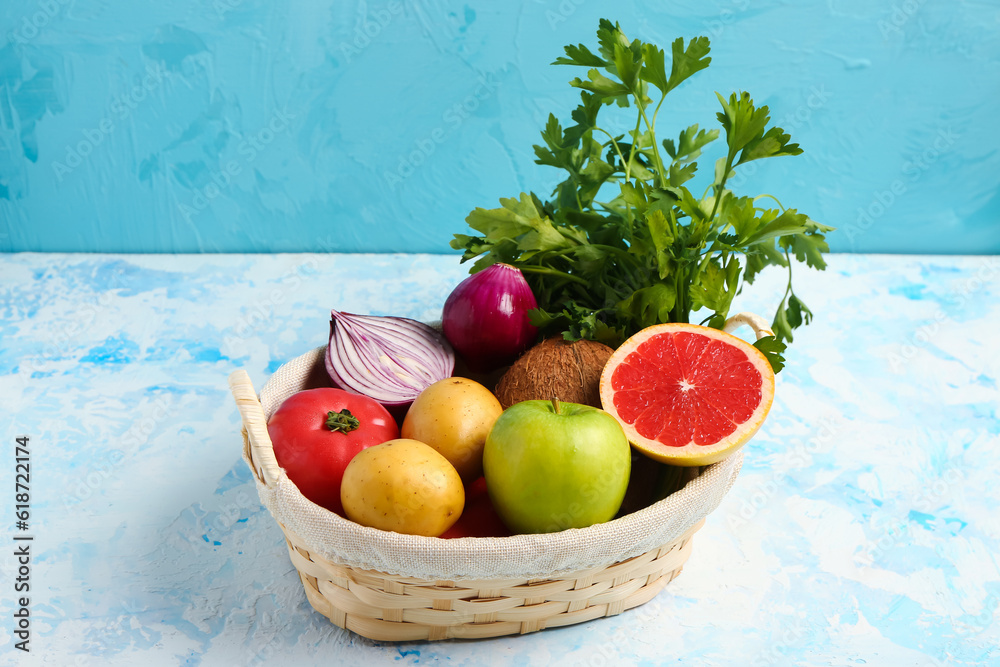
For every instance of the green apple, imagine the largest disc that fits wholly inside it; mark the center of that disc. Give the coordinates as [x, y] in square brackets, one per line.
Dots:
[550, 466]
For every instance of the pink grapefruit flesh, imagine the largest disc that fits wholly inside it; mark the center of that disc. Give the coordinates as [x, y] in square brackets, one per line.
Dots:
[687, 395]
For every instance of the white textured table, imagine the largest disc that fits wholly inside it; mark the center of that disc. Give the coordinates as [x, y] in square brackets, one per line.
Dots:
[864, 528]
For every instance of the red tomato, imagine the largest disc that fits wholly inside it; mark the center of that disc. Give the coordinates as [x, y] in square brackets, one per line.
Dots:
[317, 432]
[478, 519]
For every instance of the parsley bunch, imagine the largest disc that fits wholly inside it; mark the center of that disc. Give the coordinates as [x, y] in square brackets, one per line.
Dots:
[653, 252]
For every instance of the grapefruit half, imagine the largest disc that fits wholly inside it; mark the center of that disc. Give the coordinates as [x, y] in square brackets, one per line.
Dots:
[687, 395]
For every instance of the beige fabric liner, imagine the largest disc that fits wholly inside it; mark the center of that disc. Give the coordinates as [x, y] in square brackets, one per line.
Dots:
[517, 557]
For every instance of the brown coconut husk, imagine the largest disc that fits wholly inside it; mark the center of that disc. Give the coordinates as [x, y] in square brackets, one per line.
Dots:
[556, 368]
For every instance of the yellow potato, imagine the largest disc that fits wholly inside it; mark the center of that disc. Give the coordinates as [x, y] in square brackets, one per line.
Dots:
[404, 486]
[454, 416]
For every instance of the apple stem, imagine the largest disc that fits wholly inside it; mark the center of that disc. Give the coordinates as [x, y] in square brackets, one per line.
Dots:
[555, 404]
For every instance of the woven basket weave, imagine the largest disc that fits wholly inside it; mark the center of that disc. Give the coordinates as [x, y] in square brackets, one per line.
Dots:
[392, 587]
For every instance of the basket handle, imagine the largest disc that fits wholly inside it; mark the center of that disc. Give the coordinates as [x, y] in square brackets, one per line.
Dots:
[760, 326]
[258, 449]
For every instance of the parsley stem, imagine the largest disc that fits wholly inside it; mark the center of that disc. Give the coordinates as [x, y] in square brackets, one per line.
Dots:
[576, 191]
[635, 138]
[612, 249]
[706, 256]
[682, 305]
[720, 188]
[608, 248]
[780, 205]
[656, 111]
[657, 160]
[553, 272]
[613, 143]
[618, 150]
[788, 260]
[784, 299]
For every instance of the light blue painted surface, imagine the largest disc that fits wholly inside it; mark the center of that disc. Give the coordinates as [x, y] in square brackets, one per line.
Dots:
[862, 530]
[257, 126]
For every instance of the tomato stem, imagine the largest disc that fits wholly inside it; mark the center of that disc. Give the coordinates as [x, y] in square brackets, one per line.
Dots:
[342, 421]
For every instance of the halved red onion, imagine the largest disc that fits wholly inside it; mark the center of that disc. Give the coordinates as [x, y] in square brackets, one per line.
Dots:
[389, 359]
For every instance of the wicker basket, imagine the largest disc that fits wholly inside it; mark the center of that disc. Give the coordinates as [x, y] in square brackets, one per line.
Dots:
[391, 587]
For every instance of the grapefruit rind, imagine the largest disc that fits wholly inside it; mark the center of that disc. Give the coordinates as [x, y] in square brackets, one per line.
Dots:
[690, 454]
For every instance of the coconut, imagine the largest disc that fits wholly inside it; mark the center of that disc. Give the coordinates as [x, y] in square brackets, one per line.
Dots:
[556, 368]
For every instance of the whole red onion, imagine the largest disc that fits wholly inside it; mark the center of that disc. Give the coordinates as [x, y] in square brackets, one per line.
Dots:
[486, 317]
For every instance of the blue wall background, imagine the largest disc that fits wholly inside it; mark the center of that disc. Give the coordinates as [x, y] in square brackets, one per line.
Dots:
[259, 125]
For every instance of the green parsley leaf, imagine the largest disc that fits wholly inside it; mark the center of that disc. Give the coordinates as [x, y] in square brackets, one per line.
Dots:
[608, 36]
[715, 287]
[772, 143]
[690, 143]
[627, 65]
[608, 90]
[788, 223]
[654, 67]
[661, 232]
[773, 349]
[580, 55]
[808, 248]
[742, 121]
[649, 305]
[687, 60]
